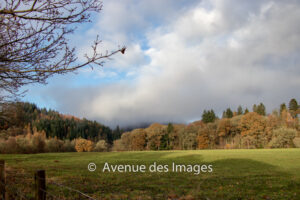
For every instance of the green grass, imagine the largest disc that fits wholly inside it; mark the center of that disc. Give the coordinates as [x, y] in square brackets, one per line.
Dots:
[237, 174]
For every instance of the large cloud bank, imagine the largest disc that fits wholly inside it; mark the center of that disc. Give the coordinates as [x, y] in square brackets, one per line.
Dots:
[182, 59]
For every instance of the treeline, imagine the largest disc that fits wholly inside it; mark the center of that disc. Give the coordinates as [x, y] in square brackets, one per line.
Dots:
[236, 129]
[25, 128]
[39, 143]
[26, 118]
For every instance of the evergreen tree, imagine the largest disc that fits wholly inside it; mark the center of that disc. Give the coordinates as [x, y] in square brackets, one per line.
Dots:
[229, 113]
[164, 142]
[208, 116]
[261, 109]
[170, 128]
[246, 111]
[116, 134]
[293, 107]
[240, 110]
[165, 139]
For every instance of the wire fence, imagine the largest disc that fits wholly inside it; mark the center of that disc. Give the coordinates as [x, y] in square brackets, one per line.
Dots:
[63, 188]
[22, 185]
[80, 194]
[11, 183]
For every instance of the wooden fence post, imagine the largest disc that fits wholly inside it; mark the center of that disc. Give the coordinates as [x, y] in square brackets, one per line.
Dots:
[40, 185]
[2, 179]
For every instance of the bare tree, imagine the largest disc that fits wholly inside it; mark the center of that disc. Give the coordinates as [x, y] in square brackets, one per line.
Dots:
[33, 44]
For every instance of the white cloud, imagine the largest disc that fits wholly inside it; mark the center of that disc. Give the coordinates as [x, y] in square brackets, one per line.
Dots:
[209, 55]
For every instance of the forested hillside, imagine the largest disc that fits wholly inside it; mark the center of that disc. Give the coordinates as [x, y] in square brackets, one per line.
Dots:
[25, 118]
[236, 129]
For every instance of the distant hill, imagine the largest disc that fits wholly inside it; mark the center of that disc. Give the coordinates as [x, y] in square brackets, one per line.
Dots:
[23, 117]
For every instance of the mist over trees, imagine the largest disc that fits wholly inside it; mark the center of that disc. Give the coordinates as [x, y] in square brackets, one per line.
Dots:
[236, 129]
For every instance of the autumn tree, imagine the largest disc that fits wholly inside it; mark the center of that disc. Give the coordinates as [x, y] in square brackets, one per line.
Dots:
[174, 135]
[223, 130]
[287, 120]
[234, 125]
[33, 40]
[118, 145]
[283, 138]
[54, 145]
[126, 141]
[273, 122]
[235, 131]
[38, 141]
[154, 133]
[252, 127]
[203, 137]
[83, 145]
[188, 136]
[138, 139]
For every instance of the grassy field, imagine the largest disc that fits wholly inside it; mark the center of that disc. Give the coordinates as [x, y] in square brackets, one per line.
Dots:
[237, 174]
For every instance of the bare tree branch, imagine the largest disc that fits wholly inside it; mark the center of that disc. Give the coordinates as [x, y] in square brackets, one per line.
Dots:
[33, 44]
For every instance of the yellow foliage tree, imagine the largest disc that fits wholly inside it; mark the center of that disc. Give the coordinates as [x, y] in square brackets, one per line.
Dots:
[154, 133]
[202, 138]
[38, 140]
[253, 129]
[138, 139]
[83, 145]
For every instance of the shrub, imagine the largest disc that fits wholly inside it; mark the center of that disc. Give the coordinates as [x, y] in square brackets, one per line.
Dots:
[2, 146]
[24, 144]
[101, 146]
[118, 145]
[11, 145]
[38, 142]
[54, 145]
[296, 142]
[228, 146]
[69, 146]
[283, 137]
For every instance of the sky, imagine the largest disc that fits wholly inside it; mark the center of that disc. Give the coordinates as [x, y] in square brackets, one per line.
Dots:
[182, 57]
